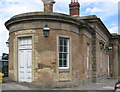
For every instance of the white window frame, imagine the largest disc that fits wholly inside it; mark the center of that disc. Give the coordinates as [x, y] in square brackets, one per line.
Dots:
[88, 56]
[68, 46]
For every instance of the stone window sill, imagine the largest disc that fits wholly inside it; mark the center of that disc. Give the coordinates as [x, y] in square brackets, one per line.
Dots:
[64, 70]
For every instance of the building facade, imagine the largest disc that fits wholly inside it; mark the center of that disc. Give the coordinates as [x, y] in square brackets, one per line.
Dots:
[78, 50]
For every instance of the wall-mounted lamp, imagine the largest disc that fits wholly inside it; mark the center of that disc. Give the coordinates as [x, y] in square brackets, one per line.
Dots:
[7, 43]
[110, 48]
[46, 31]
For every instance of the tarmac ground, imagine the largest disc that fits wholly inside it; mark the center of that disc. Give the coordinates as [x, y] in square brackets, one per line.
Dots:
[104, 84]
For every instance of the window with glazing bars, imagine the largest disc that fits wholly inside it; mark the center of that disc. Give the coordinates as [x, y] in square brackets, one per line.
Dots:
[63, 53]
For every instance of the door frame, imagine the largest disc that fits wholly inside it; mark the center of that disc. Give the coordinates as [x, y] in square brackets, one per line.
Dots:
[18, 36]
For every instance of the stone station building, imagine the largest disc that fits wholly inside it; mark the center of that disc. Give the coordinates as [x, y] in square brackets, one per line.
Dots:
[78, 49]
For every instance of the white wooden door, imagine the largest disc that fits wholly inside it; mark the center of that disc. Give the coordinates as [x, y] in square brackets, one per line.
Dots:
[25, 60]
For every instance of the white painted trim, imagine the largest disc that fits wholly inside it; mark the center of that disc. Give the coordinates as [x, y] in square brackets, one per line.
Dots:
[68, 37]
[68, 40]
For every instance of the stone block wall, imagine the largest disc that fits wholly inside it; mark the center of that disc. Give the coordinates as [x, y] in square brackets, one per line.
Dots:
[45, 57]
[103, 71]
[46, 61]
[11, 56]
[114, 57]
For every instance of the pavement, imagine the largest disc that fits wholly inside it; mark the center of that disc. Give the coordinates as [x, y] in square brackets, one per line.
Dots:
[104, 84]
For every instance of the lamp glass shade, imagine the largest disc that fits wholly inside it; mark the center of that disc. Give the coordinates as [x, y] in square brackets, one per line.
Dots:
[7, 43]
[46, 31]
[110, 48]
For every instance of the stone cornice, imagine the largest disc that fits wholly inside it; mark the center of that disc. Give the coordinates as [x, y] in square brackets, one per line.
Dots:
[17, 22]
[98, 20]
[115, 36]
[36, 16]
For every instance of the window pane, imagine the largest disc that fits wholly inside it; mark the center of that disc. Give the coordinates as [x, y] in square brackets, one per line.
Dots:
[65, 49]
[61, 48]
[88, 49]
[101, 58]
[65, 56]
[65, 41]
[60, 55]
[60, 63]
[61, 41]
[65, 63]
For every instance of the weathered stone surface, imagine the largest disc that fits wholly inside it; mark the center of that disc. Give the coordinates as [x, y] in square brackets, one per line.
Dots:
[37, 20]
[45, 60]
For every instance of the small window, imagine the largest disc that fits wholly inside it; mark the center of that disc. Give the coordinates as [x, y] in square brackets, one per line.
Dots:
[88, 56]
[63, 53]
[101, 61]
